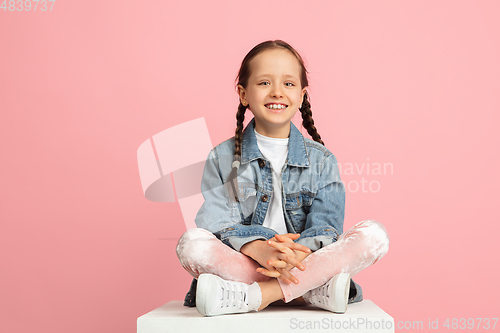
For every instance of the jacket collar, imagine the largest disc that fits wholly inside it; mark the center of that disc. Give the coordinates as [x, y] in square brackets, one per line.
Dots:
[297, 154]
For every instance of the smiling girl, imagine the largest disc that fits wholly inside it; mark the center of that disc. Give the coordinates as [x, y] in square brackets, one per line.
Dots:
[271, 226]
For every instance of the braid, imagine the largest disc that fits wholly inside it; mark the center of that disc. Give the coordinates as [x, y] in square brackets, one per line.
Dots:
[233, 175]
[308, 121]
[240, 117]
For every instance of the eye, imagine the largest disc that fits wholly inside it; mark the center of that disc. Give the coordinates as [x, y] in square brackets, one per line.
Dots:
[263, 82]
[290, 83]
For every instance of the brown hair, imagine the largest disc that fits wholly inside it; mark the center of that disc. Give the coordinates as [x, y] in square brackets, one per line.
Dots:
[242, 79]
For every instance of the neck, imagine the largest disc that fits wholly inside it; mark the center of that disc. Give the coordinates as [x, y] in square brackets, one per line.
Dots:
[278, 132]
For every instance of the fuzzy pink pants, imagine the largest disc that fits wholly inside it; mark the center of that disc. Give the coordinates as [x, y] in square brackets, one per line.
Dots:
[199, 251]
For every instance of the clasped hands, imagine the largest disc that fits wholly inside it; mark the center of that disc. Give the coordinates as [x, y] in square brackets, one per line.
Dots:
[278, 256]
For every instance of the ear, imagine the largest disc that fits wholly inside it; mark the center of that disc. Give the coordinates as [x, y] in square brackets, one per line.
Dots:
[302, 94]
[242, 93]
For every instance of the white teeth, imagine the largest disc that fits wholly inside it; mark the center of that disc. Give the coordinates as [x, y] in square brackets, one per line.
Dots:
[276, 106]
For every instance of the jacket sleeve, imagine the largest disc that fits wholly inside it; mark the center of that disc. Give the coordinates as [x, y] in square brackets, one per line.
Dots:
[220, 216]
[238, 235]
[325, 220]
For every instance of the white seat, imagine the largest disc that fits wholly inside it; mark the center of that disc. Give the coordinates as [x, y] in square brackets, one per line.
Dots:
[362, 316]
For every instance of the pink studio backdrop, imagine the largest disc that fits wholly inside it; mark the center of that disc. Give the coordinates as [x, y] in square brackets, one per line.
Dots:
[412, 84]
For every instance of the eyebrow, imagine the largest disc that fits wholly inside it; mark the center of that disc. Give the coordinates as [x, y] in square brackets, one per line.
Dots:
[269, 75]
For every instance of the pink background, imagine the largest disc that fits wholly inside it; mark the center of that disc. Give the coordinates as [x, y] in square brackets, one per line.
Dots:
[411, 83]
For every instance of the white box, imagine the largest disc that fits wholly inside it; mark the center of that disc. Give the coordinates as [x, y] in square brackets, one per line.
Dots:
[173, 317]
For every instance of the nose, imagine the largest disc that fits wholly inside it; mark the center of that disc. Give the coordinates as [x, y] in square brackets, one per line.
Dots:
[276, 92]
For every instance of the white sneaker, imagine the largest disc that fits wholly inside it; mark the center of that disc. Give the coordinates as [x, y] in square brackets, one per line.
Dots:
[216, 296]
[333, 295]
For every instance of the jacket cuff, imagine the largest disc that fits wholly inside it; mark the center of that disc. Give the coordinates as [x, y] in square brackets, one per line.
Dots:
[238, 235]
[316, 239]
[237, 242]
[315, 243]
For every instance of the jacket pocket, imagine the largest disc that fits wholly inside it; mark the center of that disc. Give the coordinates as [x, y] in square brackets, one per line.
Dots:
[242, 210]
[297, 207]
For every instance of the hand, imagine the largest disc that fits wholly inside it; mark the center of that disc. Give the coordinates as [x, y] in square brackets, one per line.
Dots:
[299, 254]
[282, 267]
[266, 255]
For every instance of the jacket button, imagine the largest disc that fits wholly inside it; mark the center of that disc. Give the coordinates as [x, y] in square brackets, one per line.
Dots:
[264, 198]
[262, 163]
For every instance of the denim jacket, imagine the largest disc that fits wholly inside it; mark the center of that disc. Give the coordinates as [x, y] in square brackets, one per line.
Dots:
[313, 196]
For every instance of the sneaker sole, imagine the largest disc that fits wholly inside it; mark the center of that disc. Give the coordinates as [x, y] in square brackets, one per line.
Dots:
[341, 284]
[202, 292]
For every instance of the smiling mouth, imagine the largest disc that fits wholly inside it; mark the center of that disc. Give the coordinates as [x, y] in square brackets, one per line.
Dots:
[283, 107]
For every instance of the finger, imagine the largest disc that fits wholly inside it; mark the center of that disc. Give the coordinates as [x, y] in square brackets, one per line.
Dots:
[297, 247]
[288, 275]
[292, 261]
[275, 274]
[283, 239]
[290, 244]
[280, 238]
[284, 279]
[289, 236]
[282, 248]
[300, 247]
[277, 263]
[267, 272]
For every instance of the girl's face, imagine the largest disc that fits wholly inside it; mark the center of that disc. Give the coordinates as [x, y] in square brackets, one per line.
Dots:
[274, 79]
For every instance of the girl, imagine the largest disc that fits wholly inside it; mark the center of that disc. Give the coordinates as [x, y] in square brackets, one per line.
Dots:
[271, 226]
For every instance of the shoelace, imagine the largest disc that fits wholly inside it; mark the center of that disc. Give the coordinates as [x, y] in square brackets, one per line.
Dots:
[233, 296]
[321, 296]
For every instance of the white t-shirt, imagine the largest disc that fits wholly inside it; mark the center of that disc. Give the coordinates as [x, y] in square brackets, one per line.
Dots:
[274, 150]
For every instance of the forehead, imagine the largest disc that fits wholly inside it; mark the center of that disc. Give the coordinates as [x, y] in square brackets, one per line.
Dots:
[275, 62]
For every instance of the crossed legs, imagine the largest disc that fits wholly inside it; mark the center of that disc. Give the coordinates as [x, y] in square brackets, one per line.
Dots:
[199, 251]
